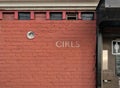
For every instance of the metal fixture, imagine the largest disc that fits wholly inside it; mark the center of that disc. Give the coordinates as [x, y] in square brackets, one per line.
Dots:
[116, 47]
[30, 35]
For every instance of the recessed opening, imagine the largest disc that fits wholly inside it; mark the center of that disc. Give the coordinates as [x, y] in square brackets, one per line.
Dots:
[24, 15]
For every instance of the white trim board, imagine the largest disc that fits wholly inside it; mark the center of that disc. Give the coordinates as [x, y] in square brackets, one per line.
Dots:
[47, 6]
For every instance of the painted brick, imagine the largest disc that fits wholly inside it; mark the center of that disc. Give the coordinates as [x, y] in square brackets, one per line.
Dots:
[38, 63]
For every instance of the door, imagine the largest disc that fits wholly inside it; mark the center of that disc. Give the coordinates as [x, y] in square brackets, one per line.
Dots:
[110, 62]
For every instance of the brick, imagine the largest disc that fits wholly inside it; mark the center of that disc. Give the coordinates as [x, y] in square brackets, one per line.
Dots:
[39, 63]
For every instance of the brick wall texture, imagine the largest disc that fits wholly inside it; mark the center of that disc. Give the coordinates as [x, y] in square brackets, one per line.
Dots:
[39, 63]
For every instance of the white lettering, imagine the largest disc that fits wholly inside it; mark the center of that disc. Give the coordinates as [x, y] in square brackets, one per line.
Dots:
[77, 44]
[72, 44]
[59, 44]
[67, 44]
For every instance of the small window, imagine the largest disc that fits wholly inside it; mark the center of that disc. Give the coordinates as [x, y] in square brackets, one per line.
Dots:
[40, 15]
[8, 16]
[24, 15]
[55, 15]
[87, 15]
[117, 65]
[72, 15]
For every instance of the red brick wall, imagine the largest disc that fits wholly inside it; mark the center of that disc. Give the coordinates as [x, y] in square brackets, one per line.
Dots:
[38, 63]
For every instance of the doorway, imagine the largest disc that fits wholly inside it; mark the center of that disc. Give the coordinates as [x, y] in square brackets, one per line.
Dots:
[110, 69]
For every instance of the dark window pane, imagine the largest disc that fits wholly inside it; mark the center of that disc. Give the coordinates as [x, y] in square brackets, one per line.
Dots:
[24, 15]
[71, 18]
[56, 15]
[87, 15]
[72, 15]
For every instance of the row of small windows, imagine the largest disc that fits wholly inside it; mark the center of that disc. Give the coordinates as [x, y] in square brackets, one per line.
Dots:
[72, 16]
[50, 16]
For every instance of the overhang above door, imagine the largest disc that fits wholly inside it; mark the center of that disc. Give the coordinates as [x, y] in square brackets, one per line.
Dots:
[108, 16]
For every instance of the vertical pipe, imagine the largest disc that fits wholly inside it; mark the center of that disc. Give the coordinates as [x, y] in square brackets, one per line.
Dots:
[98, 59]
